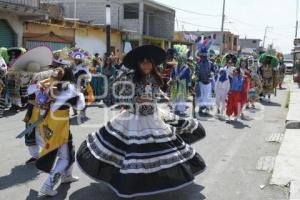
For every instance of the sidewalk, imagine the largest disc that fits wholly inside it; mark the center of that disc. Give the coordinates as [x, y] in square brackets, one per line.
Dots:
[287, 165]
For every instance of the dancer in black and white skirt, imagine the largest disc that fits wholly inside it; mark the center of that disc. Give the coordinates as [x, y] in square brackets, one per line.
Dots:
[137, 153]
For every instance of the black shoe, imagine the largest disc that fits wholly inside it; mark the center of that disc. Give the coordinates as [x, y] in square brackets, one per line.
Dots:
[31, 160]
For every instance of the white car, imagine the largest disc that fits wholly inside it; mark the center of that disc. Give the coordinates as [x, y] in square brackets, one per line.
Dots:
[289, 67]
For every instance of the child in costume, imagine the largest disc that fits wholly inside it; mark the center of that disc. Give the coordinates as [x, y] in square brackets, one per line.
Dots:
[222, 88]
[56, 134]
[234, 104]
[137, 153]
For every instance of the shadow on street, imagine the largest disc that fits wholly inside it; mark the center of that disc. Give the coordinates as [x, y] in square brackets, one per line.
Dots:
[95, 191]
[19, 174]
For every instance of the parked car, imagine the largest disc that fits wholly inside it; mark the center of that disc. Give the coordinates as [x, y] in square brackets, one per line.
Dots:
[289, 67]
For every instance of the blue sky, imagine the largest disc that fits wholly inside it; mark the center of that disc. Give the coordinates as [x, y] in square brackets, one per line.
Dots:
[243, 17]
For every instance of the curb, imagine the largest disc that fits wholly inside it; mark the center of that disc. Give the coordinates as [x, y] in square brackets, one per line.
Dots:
[294, 190]
[287, 162]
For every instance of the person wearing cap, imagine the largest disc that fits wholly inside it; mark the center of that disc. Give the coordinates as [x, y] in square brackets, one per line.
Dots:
[137, 153]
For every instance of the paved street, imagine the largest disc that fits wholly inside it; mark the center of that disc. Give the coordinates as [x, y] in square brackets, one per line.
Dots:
[239, 159]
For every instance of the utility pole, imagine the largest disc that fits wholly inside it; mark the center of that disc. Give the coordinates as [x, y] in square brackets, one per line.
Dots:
[222, 28]
[265, 35]
[108, 29]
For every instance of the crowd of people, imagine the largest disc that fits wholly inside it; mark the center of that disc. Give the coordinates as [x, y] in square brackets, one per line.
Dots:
[139, 144]
[232, 83]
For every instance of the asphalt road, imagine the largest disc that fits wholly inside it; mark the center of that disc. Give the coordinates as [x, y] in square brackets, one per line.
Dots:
[239, 159]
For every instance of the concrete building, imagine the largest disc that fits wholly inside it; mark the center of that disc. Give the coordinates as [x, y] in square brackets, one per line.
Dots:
[246, 43]
[231, 41]
[61, 33]
[13, 14]
[141, 21]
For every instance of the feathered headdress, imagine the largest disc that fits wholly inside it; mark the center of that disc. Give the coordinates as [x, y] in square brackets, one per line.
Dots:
[182, 53]
[203, 46]
[79, 54]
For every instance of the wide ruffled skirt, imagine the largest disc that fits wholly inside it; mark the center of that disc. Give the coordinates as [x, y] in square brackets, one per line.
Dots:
[142, 155]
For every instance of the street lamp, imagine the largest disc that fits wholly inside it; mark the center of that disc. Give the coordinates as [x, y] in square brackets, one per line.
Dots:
[108, 29]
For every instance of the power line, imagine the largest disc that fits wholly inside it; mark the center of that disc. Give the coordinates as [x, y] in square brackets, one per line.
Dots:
[185, 22]
[192, 12]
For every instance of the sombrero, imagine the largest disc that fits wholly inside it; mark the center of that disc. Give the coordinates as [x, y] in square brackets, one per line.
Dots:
[157, 54]
[34, 60]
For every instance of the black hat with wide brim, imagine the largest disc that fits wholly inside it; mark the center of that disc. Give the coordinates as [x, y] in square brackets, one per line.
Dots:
[151, 52]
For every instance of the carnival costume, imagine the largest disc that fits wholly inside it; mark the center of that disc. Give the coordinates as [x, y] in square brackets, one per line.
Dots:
[16, 88]
[281, 69]
[83, 77]
[268, 73]
[180, 82]
[137, 153]
[234, 104]
[244, 68]
[34, 66]
[222, 88]
[55, 131]
[229, 61]
[204, 76]
[3, 72]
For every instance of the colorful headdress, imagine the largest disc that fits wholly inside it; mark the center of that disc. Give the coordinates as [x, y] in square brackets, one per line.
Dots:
[79, 54]
[203, 47]
[182, 53]
[61, 57]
